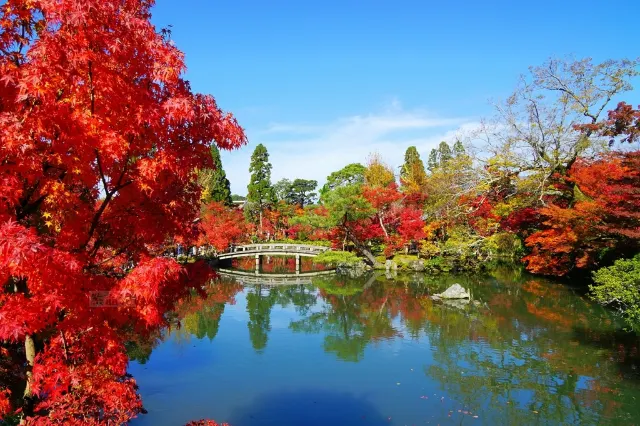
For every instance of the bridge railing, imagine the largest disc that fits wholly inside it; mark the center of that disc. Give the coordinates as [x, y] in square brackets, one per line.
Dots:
[278, 247]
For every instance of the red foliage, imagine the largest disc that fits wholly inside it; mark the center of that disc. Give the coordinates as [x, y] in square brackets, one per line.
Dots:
[205, 423]
[100, 138]
[222, 226]
[609, 218]
[521, 221]
[622, 121]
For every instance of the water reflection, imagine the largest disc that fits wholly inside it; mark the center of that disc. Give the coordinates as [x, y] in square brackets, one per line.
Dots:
[524, 351]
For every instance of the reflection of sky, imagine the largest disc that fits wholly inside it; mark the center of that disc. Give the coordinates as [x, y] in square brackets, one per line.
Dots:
[397, 381]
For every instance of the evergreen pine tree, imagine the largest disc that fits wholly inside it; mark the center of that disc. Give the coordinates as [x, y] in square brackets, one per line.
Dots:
[433, 160]
[260, 192]
[458, 149]
[444, 153]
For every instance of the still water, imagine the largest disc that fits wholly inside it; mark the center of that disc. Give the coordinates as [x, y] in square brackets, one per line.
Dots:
[377, 350]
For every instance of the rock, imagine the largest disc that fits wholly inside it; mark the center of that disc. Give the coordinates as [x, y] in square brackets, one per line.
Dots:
[456, 303]
[387, 265]
[456, 291]
[355, 270]
[417, 265]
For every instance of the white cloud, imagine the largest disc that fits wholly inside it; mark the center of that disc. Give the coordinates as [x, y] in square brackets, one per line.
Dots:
[314, 150]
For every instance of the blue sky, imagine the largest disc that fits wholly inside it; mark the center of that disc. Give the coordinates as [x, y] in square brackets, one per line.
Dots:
[324, 83]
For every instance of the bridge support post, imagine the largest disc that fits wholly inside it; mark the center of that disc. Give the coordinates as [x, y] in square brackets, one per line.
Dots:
[297, 264]
[257, 264]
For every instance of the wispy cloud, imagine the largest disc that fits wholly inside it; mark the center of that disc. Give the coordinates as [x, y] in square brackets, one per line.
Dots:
[314, 150]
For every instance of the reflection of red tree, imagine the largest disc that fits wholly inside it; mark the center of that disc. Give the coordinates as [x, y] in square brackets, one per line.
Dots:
[214, 292]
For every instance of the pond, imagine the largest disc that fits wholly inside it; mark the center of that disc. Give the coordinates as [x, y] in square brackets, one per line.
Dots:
[377, 350]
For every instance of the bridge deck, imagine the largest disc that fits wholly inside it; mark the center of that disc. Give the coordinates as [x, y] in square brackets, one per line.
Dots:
[273, 249]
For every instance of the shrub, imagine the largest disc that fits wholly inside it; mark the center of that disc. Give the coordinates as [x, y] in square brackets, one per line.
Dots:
[334, 258]
[619, 286]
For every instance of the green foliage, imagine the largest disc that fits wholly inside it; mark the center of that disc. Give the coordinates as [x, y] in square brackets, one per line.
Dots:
[433, 160]
[299, 192]
[503, 244]
[236, 197]
[335, 257]
[458, 149]
[214, 182]
[346, 203]
[260, 192]
[352, 174]
[259, 189]
[619, 286]
[444, 153]
[281, 189]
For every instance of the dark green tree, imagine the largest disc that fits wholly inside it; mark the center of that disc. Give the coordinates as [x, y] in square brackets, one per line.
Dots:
[351, 174]
[214, 182]
[444, 153]
[433, 160]
[301, 192]
[458, 149]
[259, 304]
[260, 192]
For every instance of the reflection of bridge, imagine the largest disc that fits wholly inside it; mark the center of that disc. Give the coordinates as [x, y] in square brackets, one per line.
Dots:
[272, 249]
[247, 277]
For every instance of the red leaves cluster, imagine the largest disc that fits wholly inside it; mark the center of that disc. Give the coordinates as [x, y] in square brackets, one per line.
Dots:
[622, 121]
[608, 217]
[99, 140]
[395, 222]
[222, 226]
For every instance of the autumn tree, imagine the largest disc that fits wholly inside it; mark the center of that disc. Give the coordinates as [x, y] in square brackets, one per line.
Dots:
[214, 182]
[101, 138]
[377, 173]
[604, 219]
[413, 177]
[260, 192]
[536, 130]
[222, 226]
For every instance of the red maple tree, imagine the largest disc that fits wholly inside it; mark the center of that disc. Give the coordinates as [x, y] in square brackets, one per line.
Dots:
[222, 226]
[607, 216]
[100, 136]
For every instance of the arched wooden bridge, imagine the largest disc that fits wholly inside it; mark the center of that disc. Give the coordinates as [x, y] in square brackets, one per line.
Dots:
[272, 249]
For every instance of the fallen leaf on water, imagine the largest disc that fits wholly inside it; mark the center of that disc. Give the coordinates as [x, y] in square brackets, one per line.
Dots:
[475, 417]
[535, 411]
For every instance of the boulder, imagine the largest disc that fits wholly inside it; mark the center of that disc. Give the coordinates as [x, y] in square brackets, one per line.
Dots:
[456, 291]
[417, 265]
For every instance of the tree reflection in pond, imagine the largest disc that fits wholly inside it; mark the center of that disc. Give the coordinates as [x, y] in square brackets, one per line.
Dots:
[523, 351]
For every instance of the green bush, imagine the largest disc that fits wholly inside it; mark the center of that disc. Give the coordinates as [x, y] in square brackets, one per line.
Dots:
[619, 286]
[334, 258]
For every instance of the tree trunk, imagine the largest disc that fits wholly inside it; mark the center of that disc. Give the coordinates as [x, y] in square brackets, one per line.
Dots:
[369, 257]
[30, 354]
[386, 234]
